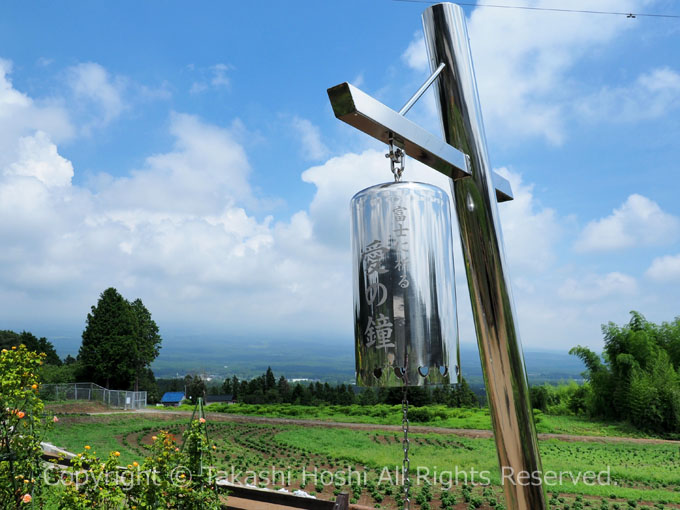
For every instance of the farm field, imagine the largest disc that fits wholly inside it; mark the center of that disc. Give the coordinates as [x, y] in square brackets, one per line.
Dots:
[311, 458]
[434, 416]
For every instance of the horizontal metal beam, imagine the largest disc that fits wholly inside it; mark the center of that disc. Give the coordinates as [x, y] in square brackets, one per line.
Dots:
[503, 188]
[369, 115]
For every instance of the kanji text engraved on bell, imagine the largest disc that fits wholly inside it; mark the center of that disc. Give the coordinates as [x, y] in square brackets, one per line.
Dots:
[405, 323]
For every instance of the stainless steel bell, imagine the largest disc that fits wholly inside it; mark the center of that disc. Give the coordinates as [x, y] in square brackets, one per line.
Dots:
[405, 323]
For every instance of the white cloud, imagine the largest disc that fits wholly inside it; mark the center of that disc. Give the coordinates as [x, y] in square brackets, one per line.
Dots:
[44, 61]
[339, 178]
[313, 147]
[198, 87]
[179, 231]
[597, 287]
[638, 222]
[219, 78]
[214, 77]
[95, 88]
[176, 232]
[38, 158]
[652, 95]
[530, 231]
[665, 269]
[523, 60]
[206, 170]
[22, 116]
[415, 55]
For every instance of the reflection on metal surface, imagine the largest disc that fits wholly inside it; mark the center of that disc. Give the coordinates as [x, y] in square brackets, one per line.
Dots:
[404, 288]
[369, 115]
[360, 110]
[497, 331]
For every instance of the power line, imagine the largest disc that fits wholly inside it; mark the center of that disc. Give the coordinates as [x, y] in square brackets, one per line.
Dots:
[550, 9]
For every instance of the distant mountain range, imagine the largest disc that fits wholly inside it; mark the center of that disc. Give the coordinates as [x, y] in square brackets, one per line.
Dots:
[326, 362]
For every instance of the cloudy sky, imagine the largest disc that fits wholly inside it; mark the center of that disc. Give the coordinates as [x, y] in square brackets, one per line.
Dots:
[188, 155]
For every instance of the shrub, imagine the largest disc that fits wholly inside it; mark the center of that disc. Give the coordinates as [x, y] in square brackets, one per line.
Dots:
[21, 428]
[168, 478]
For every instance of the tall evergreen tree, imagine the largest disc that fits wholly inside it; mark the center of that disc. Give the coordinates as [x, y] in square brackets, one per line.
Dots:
[148, 341]
[108, 340]
[32, 343]
[120, 340]
[270, 380]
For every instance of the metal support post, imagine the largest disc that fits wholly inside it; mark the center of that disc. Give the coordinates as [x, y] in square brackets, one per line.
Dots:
[488, 281]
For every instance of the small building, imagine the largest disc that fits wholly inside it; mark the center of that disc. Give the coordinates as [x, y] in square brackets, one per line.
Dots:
[172, 398]
[220, 399]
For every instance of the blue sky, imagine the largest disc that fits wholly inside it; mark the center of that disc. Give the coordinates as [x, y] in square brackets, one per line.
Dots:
[188, 156]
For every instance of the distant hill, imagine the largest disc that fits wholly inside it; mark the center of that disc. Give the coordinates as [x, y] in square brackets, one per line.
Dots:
[331, 362]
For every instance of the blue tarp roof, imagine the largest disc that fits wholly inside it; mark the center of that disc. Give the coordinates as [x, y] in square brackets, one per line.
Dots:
[172, 396]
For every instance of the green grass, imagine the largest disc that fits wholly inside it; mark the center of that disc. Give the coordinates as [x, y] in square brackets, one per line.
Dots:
[104, 434]
[650, 472]
[578, 426]
[640, 471]
[435, 416]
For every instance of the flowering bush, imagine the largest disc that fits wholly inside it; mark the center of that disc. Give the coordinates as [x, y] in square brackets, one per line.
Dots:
[169, 477]
[21, 428]
[89, 483]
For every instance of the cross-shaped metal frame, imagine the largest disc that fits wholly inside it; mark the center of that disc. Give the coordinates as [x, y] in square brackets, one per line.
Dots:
[476, 189]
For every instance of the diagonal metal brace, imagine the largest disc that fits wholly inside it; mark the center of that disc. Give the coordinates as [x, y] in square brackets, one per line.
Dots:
[369, 115]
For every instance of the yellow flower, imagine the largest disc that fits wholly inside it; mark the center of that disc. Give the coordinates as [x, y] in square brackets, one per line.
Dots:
[153, 438]
[87, 447]
[135, 463]
[116, 454]
[34, 386]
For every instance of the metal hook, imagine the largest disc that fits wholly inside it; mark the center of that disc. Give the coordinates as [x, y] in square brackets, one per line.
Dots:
[397, 159]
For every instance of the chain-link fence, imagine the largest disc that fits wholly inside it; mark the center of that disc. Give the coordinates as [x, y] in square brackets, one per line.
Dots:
[119, 399]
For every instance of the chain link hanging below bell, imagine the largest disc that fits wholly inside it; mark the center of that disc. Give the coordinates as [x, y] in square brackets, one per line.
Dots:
[406, 443]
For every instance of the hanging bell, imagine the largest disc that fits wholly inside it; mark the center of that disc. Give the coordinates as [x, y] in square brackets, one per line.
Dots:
[405, 323]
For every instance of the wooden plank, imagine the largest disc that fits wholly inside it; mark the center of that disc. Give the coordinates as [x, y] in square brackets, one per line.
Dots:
[247, 498]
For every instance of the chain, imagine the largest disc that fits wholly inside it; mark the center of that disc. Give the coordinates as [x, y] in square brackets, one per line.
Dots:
[397, 159]
[406, 467]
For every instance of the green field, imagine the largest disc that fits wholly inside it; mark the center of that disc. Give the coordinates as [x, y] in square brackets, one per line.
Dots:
[646, 472]
[435, 416]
